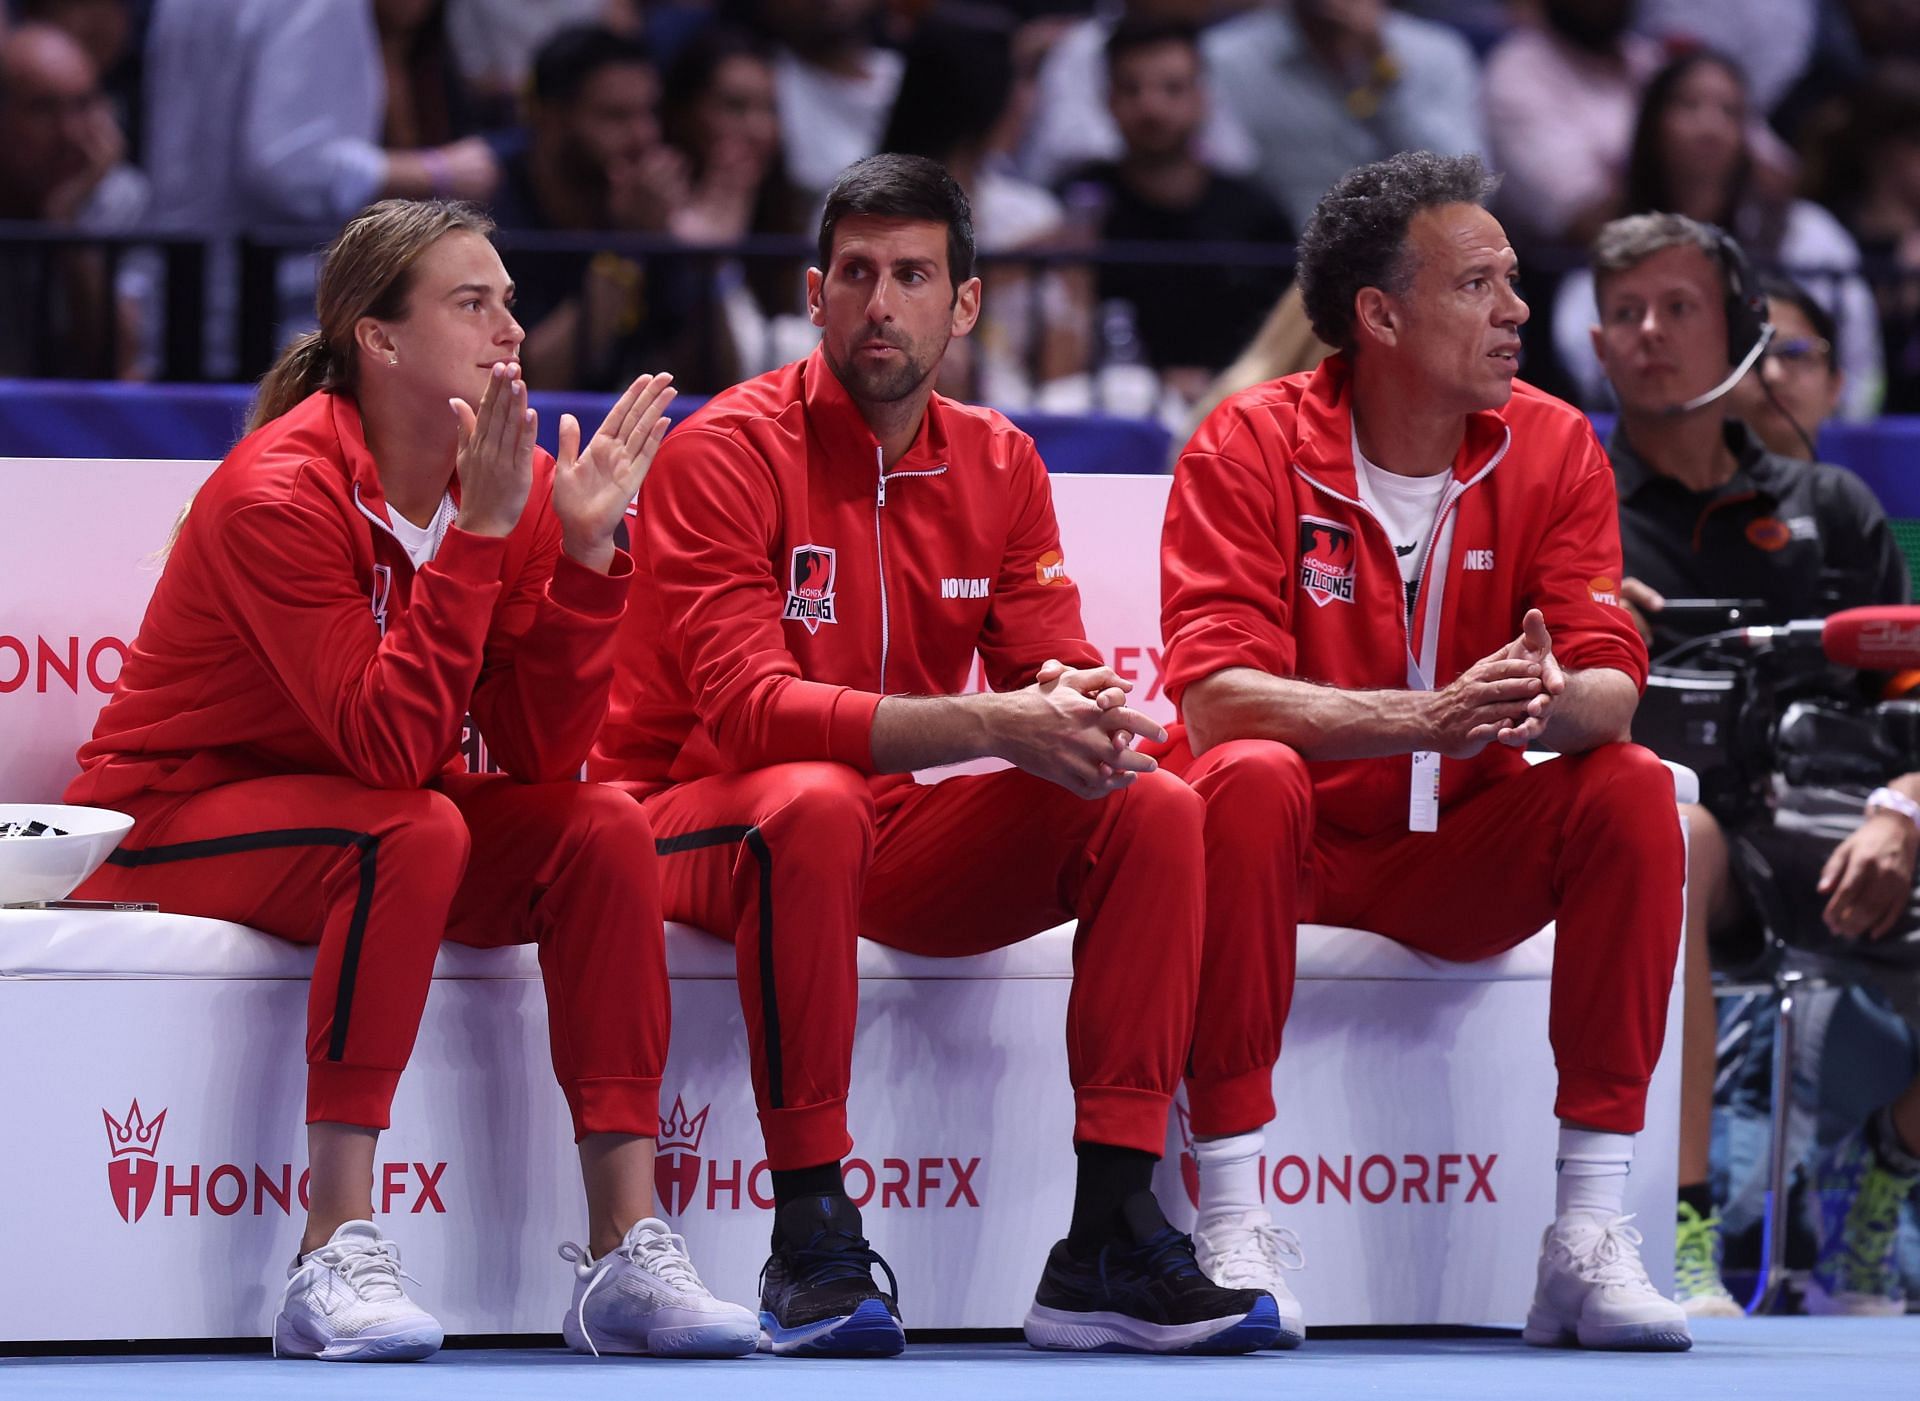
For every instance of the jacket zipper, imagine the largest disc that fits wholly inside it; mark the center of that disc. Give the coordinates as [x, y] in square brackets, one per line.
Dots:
[1448, 500]
[880, 545]
[1455, 491]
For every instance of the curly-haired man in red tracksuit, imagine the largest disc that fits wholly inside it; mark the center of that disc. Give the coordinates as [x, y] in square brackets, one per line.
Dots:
[1380, 582]
[819, 555]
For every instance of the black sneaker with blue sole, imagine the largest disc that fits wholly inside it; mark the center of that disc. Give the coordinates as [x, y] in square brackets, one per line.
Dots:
[1145, 1293]
[818, 1297]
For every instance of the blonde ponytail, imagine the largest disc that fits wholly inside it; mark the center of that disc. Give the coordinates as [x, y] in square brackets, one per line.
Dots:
[304, 367]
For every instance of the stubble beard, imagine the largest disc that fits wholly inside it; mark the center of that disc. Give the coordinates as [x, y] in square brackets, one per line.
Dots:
[874, 385]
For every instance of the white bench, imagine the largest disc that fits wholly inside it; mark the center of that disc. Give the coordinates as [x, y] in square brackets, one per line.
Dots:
[1413, 1150]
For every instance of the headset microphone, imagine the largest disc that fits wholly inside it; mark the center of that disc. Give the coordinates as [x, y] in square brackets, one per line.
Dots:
[1745, 363]
[1747, 322]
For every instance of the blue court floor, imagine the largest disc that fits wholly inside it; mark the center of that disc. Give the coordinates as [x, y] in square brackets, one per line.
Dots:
[1799, 1358]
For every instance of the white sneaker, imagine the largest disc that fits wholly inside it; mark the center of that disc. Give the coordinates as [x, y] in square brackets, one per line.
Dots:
[1594, 1291]
[1248, 1251]
[344, 1303]
[645, 1297]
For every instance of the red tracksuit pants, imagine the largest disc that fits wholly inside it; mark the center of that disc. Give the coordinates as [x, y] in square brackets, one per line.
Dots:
[375, 878]
[794, 860]
[1591, 841]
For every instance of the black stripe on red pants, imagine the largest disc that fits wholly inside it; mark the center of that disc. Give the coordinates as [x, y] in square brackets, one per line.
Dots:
[769, 1000]
[366, 843]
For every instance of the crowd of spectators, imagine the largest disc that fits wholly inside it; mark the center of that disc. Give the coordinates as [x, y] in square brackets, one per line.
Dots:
[693, 138]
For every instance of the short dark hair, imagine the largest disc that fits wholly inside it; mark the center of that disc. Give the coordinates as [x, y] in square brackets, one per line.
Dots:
[1132, 35]
[567, 62]
[1780, 288]
[1356, 236]
[892, 186]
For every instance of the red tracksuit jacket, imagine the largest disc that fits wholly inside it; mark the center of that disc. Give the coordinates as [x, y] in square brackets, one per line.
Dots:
[290, 634]
[784, 581]
[1269, 560]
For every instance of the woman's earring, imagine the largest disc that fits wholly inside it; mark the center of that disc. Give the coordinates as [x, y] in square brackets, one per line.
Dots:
[392, 359]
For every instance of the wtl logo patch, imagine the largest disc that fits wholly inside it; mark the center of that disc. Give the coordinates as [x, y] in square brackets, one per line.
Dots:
[810, 579]
[1326, 560]
[1050, 570]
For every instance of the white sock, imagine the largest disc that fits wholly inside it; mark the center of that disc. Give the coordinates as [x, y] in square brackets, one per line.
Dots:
[1592, 1172]
[1230, 1174]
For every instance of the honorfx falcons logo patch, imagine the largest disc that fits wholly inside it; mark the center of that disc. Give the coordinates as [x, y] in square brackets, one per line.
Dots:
[810, 586]
[1326, 561]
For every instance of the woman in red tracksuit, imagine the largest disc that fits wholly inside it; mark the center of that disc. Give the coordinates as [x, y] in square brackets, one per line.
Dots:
[383, 554]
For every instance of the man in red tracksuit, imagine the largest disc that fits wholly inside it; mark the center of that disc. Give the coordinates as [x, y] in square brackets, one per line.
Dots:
[1382, 581]
[818, 557]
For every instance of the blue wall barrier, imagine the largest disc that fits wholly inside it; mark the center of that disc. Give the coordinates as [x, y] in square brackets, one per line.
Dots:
[48, 418]
[1886, 453]
[53, 418]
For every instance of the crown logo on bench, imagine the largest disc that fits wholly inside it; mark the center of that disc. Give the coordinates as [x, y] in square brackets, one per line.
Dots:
[136, 1135]
[678, 1132]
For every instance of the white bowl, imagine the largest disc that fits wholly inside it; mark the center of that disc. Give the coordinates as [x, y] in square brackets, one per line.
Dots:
[48, 868]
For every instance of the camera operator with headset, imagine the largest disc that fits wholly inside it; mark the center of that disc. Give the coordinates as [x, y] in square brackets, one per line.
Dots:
[1708, 511]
